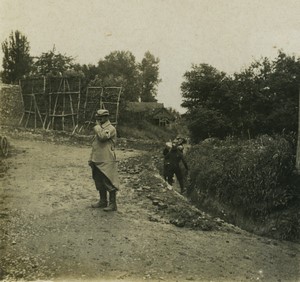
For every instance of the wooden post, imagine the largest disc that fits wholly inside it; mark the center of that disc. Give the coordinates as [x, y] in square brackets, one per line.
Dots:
[23, 103]
[44, 88]
[298, 143]
[101, 99]
[78, 103]
[64, 106]
[29, 112]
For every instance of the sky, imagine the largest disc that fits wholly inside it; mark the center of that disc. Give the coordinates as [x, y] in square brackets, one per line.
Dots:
[227, 34]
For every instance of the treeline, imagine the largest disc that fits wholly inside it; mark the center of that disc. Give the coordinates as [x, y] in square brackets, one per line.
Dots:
[261, 99]
[119, 68]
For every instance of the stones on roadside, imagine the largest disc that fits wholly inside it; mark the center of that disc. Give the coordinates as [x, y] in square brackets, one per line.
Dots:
[155, 202]
[162, 206]
[122, 275]
[140, 188]
[219, 221]
[150, 196]
[133, 171]
[3, 273]
[178, 222]
[129, 167]
[146, 188]
[153, 218]
[169, 187]
[34, 265]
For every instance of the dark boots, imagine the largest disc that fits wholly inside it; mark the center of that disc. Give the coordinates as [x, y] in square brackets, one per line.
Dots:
[102, 203]
[112, 202]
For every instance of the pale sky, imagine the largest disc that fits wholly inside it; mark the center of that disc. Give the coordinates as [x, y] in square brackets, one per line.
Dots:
[227, 34]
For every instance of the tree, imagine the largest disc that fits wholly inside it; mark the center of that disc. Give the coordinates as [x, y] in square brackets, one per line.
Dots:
[16, 61]
[284, 87]
[149, 77]
[205, 122]
[86, 72]
[202, 86]
[207, 98]
[261, 99]
[268, 94]
[298, 141]
[120, 69]
[53, 64]
[251, 88]
[90, 71]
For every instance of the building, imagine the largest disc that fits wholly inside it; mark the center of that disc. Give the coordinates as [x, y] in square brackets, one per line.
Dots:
[151, 111]
[162, 117]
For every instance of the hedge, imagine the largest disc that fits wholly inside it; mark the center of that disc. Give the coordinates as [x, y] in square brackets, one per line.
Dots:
[255, 178]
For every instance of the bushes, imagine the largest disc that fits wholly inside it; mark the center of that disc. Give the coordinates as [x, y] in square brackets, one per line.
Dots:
[252, 177]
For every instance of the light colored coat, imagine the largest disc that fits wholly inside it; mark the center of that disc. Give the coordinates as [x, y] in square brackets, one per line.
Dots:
[103, 151]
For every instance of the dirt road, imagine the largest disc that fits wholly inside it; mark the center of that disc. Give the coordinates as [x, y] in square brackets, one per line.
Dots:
[49, 231]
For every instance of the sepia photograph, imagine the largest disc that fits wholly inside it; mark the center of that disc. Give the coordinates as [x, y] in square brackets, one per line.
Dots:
[149, 140]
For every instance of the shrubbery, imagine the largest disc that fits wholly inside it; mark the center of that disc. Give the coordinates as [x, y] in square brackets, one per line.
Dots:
[254, 178]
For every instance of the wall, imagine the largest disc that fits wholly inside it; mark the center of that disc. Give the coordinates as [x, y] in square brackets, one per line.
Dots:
[11, 105]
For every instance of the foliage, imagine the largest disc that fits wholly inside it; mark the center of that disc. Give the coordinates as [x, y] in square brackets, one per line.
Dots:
[202, 87]
[16, 60]
[254, 178]
[53, 64]
[89, 73]
[261, 99]
[149, 72]
[205, 91]
[205, 122]
[119, 68]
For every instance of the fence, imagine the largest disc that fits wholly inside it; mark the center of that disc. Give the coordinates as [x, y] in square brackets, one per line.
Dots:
[59, 103]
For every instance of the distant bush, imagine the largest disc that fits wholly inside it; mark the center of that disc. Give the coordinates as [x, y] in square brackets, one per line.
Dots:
[254, 177]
